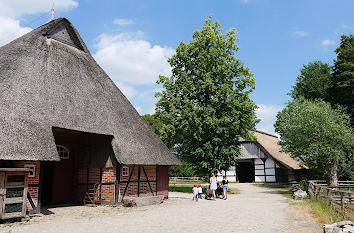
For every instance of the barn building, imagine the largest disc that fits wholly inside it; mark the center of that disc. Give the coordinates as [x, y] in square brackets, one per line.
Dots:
[65, 120]
[264, 161]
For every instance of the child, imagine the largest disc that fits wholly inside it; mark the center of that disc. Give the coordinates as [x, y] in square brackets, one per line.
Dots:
[195, 193]
[225, 186]
[200, 191]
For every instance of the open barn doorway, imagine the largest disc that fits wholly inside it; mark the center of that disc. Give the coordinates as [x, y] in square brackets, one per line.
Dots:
[59, 183]
[245, 171]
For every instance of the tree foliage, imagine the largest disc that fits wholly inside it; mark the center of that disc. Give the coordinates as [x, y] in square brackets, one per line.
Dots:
[319, 135]
[205, 107]
[342, 91]
[153, 122]
[313, 82]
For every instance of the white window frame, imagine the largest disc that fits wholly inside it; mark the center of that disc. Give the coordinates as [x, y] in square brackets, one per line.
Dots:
[65, 149]
[32, 173]
[125, 171]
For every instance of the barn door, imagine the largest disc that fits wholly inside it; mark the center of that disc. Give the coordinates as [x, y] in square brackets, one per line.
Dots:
[162, 180]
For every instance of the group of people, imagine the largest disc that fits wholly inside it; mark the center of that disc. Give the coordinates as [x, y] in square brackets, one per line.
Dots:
[197, 189]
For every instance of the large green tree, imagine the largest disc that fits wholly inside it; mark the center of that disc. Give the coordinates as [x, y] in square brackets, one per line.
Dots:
[318, 134]
[342, 91]
[205, 107]
[153, 122]
[313, 82]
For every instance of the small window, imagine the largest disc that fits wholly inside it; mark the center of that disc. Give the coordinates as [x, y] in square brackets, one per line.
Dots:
[63, 152]
[125, 171]
[32, 173]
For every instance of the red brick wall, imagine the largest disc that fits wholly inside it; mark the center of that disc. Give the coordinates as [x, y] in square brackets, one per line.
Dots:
[108, 180]
[31, 180]
[107, 188]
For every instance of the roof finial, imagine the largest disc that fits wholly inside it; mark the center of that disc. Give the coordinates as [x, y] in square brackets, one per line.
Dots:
[52, 13]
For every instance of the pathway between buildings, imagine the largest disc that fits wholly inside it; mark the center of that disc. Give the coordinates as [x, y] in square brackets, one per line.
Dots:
[256, 209]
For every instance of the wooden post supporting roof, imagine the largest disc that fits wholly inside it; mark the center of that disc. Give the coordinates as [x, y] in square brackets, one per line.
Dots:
[139, 181]
[117, 183]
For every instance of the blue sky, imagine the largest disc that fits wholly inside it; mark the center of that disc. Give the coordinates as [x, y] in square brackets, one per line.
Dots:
[132, 40]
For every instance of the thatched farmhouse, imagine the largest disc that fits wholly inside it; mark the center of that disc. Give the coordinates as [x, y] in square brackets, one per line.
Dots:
[63, 118]
[264, 161]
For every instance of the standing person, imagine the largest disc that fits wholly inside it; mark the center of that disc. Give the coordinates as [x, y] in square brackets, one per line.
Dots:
[200, 191]
[213, 185]
[195, 193]
[225, 186]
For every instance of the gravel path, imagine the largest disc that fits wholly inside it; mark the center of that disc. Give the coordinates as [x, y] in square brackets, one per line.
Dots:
[256, 209]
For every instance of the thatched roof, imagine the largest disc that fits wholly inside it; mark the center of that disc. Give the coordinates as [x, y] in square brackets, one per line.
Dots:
[49, 79]
[270, 143]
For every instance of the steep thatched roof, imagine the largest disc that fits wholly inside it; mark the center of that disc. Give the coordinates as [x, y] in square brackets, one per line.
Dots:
[49, 79]
[270, 144]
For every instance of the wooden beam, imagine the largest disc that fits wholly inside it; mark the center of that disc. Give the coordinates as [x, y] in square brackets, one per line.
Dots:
[148, 181]
[138, 180]
[40, 188]
[130, 177]
[156, 181]
[87, 178]
[30, 200]
[117, 183]
[101, 175]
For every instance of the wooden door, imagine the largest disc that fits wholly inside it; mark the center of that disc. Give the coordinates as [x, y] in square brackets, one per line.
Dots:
[64, 182]
[162, 180]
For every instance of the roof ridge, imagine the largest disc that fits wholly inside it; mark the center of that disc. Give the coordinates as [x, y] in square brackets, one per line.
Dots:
[265, 133]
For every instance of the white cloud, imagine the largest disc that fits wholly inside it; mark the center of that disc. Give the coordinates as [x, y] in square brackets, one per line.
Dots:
[327, 42]
[267, 115]
[300, 33]
[10, 29]
[123, 22]
[127, 90]
[16, 8]
[129, 59]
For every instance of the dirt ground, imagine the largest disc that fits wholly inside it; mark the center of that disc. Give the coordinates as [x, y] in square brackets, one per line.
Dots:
[255, 209]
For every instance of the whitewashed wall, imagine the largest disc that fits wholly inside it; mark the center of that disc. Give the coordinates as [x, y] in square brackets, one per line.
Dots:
[230, 175]
[264, 171]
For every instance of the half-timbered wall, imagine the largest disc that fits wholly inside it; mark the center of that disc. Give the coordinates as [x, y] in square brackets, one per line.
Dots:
[264, 170]
[113, 184]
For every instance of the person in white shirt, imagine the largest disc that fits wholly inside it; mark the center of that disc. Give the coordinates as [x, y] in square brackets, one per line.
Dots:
[200, 191]
[195, 193]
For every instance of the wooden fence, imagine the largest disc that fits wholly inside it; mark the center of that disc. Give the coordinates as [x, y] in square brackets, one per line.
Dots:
[185, 179]
[340, 197]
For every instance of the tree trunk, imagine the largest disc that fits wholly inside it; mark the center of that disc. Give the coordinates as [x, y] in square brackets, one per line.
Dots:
[331, 176]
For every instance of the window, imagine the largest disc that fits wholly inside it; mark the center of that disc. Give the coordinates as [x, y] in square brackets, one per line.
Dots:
[32, 173]
[125, 171]
[63, 152]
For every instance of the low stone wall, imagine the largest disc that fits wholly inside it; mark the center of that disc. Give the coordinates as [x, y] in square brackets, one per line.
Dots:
[339, 227]
[143, 201]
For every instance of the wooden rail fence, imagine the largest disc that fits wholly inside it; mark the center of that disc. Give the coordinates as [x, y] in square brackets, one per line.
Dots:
[174, 180]
[340, 197]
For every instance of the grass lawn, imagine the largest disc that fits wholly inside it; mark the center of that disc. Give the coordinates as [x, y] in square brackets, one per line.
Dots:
[320, 208]
[187, 188]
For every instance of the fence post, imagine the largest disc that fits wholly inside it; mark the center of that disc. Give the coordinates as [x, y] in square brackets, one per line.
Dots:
[342, 203]
[319, 192]
[329, 197]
